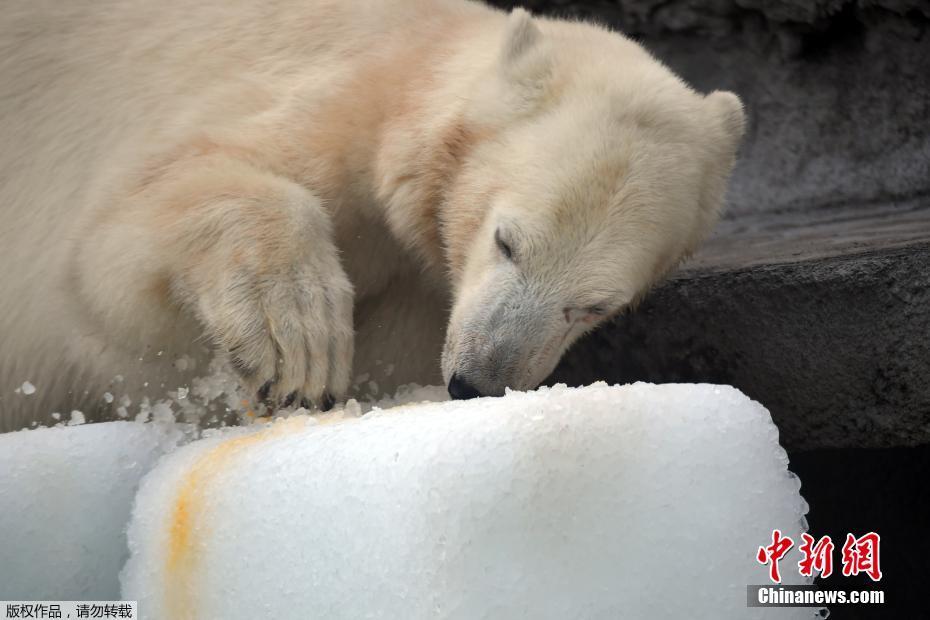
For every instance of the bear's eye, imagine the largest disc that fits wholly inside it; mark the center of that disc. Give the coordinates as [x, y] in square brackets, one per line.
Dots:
[502, 245]
[598, 310]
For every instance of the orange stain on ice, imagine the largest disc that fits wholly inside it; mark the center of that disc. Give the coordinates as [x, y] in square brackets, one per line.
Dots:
[186, 523]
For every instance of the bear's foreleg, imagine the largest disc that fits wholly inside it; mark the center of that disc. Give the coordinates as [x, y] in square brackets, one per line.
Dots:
[248, 252]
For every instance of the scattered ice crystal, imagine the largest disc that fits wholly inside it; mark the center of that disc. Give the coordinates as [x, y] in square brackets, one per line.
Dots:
[638, 501]
[162, 413]
[352, 408]
[108, 397]
[27, 388]
[77, 418]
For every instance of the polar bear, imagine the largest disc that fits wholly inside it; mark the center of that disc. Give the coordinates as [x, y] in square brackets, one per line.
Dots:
[430, 186]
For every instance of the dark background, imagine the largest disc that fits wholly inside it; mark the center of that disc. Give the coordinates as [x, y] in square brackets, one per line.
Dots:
[813, 296]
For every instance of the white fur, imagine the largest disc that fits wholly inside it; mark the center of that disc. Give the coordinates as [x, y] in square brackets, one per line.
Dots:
[272, 176]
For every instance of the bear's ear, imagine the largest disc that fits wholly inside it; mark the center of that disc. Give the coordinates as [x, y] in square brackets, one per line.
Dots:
[728, 110]
[727, 123]
[521, 35]
[523, 54]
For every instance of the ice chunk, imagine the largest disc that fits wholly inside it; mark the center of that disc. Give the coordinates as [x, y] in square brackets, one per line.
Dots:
[66, 495]
[27, 388]
[639, 501]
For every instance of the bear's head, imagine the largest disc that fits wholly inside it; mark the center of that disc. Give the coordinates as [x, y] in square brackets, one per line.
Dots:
[598, 172]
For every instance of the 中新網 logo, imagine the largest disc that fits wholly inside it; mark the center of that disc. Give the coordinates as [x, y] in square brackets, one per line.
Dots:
[859, 555]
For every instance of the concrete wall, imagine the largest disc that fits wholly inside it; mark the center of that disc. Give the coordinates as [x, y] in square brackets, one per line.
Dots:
[838, 349]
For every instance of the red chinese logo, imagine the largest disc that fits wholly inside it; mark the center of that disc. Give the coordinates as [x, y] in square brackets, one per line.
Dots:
[817, 556]
[773, 553]
[860, 555]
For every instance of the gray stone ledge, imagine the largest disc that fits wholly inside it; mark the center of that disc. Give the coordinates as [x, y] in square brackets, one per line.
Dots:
[837, 348]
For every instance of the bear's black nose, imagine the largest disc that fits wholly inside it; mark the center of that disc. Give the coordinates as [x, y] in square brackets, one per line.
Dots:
[459, 389]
